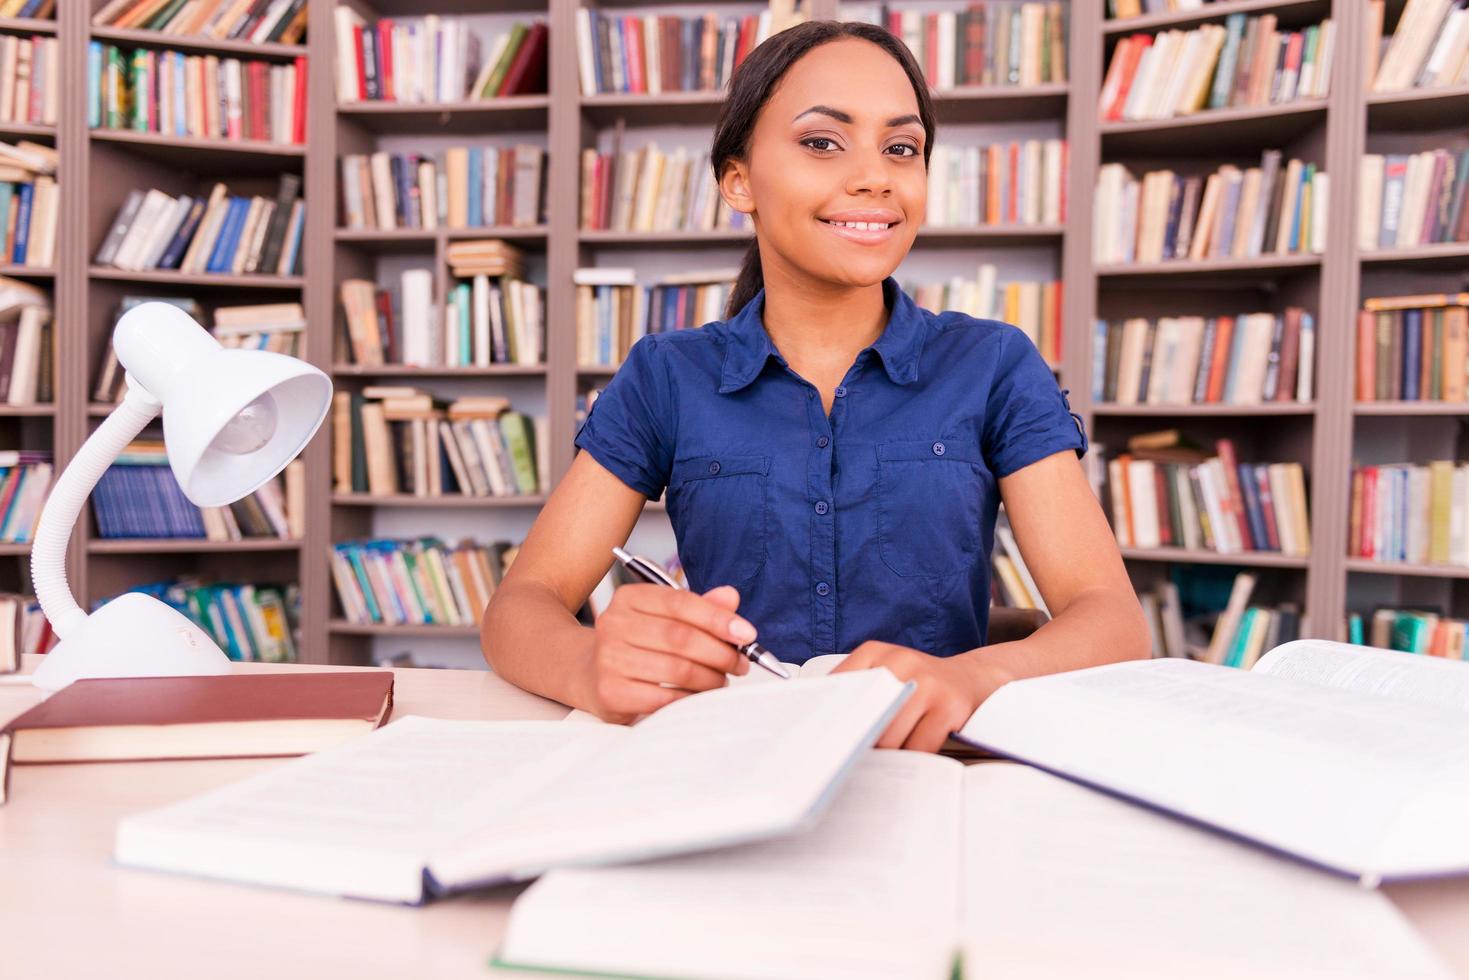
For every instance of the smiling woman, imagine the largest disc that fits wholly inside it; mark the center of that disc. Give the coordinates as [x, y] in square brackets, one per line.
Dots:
[834, 456]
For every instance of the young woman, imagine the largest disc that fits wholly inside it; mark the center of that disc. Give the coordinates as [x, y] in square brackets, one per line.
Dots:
[833, 454]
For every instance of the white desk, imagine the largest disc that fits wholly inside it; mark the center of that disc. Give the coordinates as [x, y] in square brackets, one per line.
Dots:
[66, 911]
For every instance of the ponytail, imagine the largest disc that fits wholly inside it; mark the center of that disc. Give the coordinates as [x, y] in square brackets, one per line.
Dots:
[751, 280]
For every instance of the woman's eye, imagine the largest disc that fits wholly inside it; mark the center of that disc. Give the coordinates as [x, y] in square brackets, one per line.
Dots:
[818, 139]
[905, 146]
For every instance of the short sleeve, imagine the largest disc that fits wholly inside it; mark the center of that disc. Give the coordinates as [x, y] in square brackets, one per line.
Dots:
[1028, 416]
[625, 429]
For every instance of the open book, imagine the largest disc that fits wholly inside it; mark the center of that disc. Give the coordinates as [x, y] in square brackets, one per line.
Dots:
[424, 807]
[1351, 758]
[1014, 872]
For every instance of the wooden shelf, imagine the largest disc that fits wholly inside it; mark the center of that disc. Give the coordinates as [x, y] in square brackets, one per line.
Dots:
[215, 157]
[982, 236]
[1262, 410]
[1214, 130]
[1231, 268]
[1372, 566]
[410, 371]
[35, 131]
[1418, 108]
[1445, 255]
[1000, 103]
[1199, 556]
[343, 627]
[27, 272]
[27, 25]
[426, 239]
[143, 546]
[1291, 12]
[15, 548]
[1419, 408]
[202, 45]
[451, 502]
[516, 112]
[27, 411]
[206, 280]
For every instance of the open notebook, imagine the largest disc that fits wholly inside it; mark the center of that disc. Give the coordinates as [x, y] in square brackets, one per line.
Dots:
[1351, 758]
[1014, 872]
[425, 807]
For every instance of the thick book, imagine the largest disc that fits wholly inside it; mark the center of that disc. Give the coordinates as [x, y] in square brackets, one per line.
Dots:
[425, 807]
[926, 868]
[229, 716]
[1346, 757]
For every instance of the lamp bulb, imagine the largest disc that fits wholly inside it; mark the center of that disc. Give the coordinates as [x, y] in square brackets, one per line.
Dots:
[251, 430]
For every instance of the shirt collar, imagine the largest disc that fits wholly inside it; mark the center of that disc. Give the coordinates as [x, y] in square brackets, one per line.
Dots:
[749, 346]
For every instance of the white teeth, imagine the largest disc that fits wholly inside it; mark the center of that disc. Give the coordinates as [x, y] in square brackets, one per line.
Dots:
[859, 225]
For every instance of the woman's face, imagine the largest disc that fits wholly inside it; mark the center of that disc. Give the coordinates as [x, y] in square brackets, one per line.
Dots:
[838, 142]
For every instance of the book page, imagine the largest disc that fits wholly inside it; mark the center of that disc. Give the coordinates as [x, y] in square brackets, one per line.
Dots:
[360, 818]
[718, 768]
[1322, 773]
[1372, 670]
[1088, 886]
[871, 891]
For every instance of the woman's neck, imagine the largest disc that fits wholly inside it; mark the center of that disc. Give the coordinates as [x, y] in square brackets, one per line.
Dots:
[820, 329]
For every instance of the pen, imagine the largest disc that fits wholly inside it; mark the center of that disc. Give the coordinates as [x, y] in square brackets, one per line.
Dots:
[649, 571]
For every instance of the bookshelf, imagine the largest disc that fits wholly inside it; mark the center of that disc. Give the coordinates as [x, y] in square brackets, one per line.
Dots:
[1325, 435]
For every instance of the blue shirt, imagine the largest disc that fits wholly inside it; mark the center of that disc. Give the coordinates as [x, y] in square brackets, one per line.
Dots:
[873, 523]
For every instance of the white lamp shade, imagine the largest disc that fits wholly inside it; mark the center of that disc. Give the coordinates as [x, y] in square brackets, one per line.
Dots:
[201, 407]
[217, 454]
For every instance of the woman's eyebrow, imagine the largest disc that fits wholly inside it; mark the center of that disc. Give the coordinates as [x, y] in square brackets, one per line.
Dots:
[844, 117]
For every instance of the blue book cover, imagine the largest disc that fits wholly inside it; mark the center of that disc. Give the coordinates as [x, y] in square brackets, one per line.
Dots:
[22, 222]
[1412, 354]
[180, 122]
[353, 554]
[381, 553]
[223, 253]
[693, 38]
[476, 186]
[1250, 487]
[596, 27]
[1099, 360]
[94, 85]
[604, 325]
[174, 254]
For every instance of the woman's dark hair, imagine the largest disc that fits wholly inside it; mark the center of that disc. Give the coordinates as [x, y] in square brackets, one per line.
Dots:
[750, 87]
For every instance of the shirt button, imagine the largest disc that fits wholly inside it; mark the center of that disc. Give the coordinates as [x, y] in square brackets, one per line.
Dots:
[822, 588]
[714, 466]
[938, 449]
[841, 391]
[822, 442]
[821, 507]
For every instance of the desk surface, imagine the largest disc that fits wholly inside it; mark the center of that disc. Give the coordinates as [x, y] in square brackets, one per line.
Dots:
[66, 910]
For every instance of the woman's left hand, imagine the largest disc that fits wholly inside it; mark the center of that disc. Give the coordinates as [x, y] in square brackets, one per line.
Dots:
[949, 691]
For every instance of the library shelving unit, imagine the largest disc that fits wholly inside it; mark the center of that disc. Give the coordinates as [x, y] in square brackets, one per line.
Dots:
[1325, 436]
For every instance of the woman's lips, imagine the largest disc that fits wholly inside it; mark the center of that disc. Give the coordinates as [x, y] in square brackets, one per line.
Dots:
[862, 236]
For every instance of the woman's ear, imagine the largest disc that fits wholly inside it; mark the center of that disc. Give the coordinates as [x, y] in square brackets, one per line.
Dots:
[734, 187]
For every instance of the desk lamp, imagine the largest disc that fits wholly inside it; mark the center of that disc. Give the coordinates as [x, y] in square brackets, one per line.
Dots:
[232, 419]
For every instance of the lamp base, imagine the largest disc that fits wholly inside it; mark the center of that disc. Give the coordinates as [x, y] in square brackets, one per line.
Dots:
[134, 635]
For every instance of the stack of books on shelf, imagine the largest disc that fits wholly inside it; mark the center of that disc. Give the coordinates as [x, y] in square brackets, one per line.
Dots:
[40, 9]
[1428, 632]
[1034, 307]
[484, 257]
[653, 53]
[485, 322]
[138, 497]
[1179, 360]
[650, 190]
[30, 86]
[1413, 348]
[249, 622]
[1242, 63]
[1166, 491]
[435, 59]
[1245, 631]
[29, 204]
[1012, 585]
[1203, 613]
[1020, 183]
[1005, 44]
[275, 21]
[276, 327]
[613, 312]
[23, 629]
[25, 479]
[197, 96]
[111, 380]
[1408, 199]
[1430, 47]
[461, 187]
[390, 440]
[1411, 513]
[422, 582]
[220, 234]
[1232, 213]
[27, 345]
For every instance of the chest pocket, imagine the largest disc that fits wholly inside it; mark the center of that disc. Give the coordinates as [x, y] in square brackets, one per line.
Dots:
[929, 505]
[719, 506]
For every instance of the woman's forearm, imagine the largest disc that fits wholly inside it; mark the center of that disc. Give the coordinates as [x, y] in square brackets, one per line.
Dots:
[530, 639]
[1097, 627]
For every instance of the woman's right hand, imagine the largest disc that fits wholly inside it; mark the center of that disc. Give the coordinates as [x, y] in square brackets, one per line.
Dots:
[650, 636]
